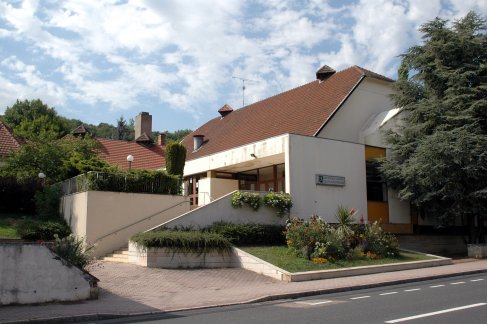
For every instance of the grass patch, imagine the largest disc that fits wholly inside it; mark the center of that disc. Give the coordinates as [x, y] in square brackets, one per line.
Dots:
[7, 225]
[281, 257]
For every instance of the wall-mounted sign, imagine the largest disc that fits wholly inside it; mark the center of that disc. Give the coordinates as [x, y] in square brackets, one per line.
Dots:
[329, 180]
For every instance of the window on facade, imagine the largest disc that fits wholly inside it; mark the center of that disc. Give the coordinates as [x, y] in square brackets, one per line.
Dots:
[376, 186]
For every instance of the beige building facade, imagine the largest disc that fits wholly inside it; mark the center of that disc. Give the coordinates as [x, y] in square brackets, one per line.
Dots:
[328, 164]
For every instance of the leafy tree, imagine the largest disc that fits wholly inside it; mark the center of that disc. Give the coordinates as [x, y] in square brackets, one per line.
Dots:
[35, 121]
[440, 162]
[175, 158]
[58, 160]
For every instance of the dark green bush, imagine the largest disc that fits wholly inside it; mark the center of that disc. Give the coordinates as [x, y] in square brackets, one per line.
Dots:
[34, 230]
[183, 241]
[249, 234]
[72, 249]
[136, 181]
[47, 202]
[175, 158]
[16, 196]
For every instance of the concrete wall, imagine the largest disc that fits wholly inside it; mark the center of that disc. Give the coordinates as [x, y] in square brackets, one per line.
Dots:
[269, 151]
[309, 156]
[369, 98]
[96, 214]
[34, 274]
[165, 258]
[214, 188]
[221, 210]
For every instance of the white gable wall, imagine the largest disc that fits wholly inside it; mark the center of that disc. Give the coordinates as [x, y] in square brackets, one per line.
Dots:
[369, 98]
[309, 156]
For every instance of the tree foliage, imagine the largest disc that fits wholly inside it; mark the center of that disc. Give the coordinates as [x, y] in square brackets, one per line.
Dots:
[58, 159]
[175, 158]
[35, 121]
[440, 152]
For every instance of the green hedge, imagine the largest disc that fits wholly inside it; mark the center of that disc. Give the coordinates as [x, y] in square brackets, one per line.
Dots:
[157, 182]
[183, 241]
[249, 234]
[33, 230]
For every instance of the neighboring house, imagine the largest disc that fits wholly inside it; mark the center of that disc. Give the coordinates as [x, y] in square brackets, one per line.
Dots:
[146, 154]
[316, 142]
[8, 142]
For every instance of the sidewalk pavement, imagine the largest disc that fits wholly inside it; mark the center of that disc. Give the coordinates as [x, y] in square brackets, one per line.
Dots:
[127, 290]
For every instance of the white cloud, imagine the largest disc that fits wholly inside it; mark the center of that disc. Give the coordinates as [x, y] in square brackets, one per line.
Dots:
[182, 55]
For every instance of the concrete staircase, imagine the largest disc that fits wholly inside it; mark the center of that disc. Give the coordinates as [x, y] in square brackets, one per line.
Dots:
[120, 255]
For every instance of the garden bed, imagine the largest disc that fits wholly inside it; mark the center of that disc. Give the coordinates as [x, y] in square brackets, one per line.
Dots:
[305, 270]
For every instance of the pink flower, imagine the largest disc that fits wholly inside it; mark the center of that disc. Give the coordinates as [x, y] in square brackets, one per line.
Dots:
[352, 211]
[362, 218]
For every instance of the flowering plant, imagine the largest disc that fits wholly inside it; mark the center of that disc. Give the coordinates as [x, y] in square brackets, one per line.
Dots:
[251, 199]
[315, 238]
[281, 201]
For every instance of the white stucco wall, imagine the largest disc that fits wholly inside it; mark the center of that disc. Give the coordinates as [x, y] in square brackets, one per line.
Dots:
[94, 214]
[369, 98]
[34, 274]
[269, 151]
[309, 156]
[221, 210]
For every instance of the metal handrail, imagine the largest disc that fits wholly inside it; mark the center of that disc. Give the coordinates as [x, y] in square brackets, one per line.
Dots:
[139, 221]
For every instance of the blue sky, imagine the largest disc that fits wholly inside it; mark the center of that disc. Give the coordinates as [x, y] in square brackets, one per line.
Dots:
[98, 60]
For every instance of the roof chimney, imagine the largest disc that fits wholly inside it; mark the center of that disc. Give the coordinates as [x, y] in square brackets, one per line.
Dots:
[143, 125]
[225, 110]
[324, 72]
[198, 141]
[161, 139]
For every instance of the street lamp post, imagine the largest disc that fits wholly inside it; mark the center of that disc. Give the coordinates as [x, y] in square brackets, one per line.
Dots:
[130, 159]
[42, 176]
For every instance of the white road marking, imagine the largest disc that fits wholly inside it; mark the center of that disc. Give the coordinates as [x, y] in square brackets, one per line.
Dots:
[473, 280]
[361, 297]
[435, 313]
[437, 286]
[457, 283]
[389, 293]
[415, 289]
[315, 303]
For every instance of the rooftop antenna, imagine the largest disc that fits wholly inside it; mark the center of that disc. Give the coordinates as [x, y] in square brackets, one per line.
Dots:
[243, 87]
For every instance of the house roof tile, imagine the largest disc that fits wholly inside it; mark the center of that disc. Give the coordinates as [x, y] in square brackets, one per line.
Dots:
[8, 141]
[146, 156]
[302, 110]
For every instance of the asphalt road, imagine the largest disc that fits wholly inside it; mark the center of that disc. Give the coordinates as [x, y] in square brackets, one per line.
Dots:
[450, 300]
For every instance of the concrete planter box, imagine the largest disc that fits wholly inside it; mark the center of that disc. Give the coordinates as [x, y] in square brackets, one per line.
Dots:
[165, 258]
[478, 251]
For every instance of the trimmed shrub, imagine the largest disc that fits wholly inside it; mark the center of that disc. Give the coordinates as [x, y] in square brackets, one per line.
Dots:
[249, 234]
[136, 181]
[34, 230]
[183, 241]
[175, 158]
[72, 249]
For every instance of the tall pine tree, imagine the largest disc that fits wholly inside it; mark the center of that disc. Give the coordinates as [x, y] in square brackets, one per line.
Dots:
[440, 153]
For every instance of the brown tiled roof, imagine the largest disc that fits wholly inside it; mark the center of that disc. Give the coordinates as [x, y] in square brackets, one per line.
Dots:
[302, 110]
[79, 130]
[8, 141]
[146, 156]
